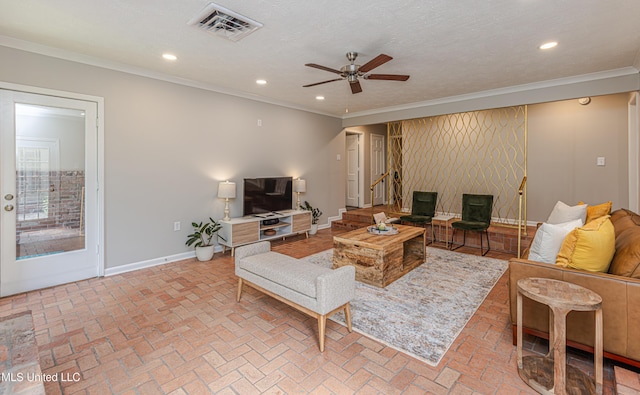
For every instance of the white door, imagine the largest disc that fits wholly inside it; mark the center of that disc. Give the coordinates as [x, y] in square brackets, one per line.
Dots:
[378, 168]
[353, 170]
[48, 187]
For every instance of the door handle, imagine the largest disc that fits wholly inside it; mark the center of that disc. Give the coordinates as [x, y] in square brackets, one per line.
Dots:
[8, 196]
[8, 207]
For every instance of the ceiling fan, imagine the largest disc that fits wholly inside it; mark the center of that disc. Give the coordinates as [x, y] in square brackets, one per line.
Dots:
[352, 72]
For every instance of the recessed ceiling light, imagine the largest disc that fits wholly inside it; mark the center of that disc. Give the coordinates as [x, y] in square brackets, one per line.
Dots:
[319, 97]
[549, 45]
[261, 82]
[169, 56]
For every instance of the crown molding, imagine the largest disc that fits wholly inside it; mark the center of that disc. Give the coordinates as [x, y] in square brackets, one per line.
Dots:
[41, 49]
[63, 54]
[601, 75]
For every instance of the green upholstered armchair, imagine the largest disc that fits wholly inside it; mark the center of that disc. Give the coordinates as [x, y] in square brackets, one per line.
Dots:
[476, 217]
[423, 209]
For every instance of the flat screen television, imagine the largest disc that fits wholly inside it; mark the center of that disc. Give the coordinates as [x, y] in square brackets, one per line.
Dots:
[267, 195]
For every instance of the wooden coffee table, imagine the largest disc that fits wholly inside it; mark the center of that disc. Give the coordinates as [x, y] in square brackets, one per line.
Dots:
[379, 259]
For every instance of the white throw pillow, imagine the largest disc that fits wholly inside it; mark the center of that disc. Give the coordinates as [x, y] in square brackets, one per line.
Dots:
[548, 240]
[562, 213]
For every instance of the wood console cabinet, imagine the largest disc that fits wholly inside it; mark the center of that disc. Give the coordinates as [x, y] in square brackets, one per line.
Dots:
[251, 229]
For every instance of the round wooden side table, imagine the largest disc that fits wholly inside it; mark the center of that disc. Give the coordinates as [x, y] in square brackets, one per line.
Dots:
[550, 374]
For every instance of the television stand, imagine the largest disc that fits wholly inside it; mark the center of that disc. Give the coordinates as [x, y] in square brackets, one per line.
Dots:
[250, 229]
[265, 215]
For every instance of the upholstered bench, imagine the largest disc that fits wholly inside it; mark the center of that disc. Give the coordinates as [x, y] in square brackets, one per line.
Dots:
[315, 290]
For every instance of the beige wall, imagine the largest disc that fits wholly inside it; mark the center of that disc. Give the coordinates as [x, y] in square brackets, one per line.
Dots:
[167, 146]
[565, 138]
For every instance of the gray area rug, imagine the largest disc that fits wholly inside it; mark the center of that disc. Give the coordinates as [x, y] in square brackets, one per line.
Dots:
[424, 311]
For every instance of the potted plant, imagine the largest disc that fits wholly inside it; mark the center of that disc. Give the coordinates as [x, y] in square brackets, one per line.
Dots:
[315, 216]
[201, 237]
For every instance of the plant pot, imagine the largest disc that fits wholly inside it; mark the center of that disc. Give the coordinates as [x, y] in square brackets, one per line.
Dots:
[204, 253]
[314, 229]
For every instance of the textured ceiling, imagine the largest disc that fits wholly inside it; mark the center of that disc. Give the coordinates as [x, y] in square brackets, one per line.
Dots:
[448, 47]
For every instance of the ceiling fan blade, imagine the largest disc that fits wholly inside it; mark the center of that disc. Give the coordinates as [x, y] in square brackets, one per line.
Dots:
[355, 87]
[390, 77]
[375, 62]
[323, 82]
[317, 66]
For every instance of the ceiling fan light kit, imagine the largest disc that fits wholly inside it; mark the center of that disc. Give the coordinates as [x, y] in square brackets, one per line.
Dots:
[352, 71]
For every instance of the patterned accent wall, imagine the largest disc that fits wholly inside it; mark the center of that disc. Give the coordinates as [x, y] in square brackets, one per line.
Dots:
[482, 152]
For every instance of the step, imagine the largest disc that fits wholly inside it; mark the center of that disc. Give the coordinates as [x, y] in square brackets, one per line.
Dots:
[348, 224]
[357, 217]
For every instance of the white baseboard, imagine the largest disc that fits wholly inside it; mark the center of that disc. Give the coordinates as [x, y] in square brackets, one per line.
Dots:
[331, 219]
[111, 271]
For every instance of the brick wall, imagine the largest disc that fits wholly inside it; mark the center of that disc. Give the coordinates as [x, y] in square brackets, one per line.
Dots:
[64, 203]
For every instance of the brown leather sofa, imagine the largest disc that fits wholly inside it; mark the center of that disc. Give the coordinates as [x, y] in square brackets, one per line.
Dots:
[619, 289]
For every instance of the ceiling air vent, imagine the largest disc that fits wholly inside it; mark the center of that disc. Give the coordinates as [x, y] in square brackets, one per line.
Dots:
[223, 22]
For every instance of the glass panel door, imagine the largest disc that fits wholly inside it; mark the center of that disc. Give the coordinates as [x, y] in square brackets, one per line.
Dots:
[49, 215]
[49, 199]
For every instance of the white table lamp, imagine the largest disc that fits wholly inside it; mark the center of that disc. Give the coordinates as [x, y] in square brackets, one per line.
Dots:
[226, 191]
[299, 186]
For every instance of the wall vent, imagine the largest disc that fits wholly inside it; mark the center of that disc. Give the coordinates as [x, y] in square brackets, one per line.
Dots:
[223, 22]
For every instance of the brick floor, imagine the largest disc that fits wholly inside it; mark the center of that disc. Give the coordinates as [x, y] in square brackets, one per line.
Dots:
[48, 241]
[177, 329]
[627, 382]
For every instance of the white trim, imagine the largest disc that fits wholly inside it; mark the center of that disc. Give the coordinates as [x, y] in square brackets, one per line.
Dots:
[100, 154]
[28, 46]
[101, 165]
[600, 75]
[634, 151]
[331, 219]
[111, 65]
[112, 271]
[50, 92]
[361, 164]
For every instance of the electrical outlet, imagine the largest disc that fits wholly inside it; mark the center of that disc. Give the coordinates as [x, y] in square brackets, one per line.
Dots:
[176, 226]
[600, 161]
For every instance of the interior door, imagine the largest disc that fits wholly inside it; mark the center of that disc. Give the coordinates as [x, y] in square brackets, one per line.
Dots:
[378, 168]
[48, 187]
[353, 171]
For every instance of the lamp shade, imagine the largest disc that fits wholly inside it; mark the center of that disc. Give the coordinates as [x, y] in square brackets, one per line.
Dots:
[227, 190]
[299, 185]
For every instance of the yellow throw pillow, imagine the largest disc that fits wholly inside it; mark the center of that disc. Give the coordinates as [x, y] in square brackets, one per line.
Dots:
[597, 211]
[590, 247]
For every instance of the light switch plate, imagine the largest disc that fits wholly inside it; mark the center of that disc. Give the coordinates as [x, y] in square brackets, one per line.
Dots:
[600, 161]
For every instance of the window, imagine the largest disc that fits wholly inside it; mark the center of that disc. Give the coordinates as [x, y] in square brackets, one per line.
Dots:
[36, 166]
